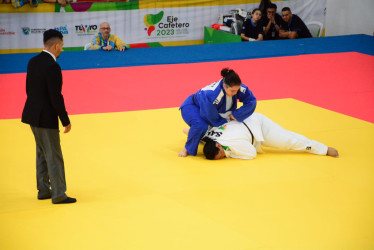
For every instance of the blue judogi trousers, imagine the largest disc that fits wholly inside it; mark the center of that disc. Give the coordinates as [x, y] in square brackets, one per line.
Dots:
[198, 127]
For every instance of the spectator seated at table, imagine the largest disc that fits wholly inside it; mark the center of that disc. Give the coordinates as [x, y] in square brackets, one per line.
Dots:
[106, 41]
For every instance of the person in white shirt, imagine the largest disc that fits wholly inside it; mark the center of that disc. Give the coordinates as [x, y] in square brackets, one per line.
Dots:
[243, 140]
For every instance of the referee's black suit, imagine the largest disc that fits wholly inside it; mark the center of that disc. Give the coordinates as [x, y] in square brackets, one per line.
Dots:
[43, 107]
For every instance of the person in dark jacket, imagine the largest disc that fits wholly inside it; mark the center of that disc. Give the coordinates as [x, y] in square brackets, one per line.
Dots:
[292, 26]
[271, 21]
[44, 105]
[252, 27]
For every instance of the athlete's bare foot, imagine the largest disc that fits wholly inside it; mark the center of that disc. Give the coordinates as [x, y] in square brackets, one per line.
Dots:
[186, 130]
[332, 152]
[183, 153]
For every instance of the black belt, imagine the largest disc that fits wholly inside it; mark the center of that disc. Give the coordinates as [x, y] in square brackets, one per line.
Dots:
[249, 131]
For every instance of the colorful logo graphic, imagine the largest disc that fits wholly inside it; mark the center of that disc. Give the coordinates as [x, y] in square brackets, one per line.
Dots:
[26, 30]
[222, 127]
[150, 20]
[62, 29]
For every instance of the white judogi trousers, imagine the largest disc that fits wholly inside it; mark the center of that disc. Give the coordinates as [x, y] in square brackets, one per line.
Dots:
[237, 137]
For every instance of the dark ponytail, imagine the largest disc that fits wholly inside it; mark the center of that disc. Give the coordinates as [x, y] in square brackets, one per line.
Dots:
[230, 77]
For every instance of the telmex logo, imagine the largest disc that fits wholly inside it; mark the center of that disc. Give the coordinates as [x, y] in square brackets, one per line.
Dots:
[150, 21]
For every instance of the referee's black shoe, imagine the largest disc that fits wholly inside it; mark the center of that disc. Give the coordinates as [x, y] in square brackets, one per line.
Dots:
[66, 201]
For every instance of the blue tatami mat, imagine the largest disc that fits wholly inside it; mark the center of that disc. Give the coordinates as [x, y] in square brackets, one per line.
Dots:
[17, 63]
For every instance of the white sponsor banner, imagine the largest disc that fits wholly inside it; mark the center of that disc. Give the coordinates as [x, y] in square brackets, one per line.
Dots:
[29, 27]
[24, 30]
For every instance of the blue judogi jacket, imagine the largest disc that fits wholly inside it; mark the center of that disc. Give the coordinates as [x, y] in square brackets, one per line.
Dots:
[211, 101]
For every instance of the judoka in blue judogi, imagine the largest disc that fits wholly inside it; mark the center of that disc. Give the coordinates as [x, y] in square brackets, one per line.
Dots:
[215, 105]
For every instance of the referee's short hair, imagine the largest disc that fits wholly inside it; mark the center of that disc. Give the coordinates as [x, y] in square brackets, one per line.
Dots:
[51, 37]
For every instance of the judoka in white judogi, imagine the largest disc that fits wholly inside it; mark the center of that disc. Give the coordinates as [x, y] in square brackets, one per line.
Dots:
[243, 140]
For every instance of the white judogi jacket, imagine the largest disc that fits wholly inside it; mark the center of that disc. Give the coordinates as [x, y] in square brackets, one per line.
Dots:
[236, 136]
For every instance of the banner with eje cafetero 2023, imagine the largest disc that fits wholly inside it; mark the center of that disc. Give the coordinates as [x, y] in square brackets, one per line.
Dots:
[163, 26]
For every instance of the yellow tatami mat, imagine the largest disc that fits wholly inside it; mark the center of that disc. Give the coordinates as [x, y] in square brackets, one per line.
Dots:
[134, 192]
